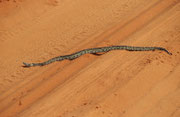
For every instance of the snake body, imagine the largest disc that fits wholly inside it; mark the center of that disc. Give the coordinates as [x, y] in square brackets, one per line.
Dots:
[95, 51]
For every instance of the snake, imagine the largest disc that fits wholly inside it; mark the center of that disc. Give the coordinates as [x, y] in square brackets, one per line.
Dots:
[95, 51]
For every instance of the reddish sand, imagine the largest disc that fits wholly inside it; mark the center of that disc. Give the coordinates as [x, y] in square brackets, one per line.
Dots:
[115, 84]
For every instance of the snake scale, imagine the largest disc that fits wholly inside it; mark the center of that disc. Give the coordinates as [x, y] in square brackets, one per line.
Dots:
[95, 51]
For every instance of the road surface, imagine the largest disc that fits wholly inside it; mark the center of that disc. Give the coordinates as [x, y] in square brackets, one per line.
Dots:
[115, 84]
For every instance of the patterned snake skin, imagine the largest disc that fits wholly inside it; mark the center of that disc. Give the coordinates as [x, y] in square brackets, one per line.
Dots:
[95, 51]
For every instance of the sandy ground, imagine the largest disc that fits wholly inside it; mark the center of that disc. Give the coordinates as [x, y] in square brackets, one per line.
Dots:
[115, 84]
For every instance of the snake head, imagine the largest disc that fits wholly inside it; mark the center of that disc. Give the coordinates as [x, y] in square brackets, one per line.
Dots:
[28, 64]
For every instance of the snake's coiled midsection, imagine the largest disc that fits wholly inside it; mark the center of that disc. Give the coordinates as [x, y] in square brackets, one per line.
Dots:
[94, 51]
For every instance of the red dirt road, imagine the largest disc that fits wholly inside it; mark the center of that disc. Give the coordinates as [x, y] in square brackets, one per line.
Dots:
[115, 84]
